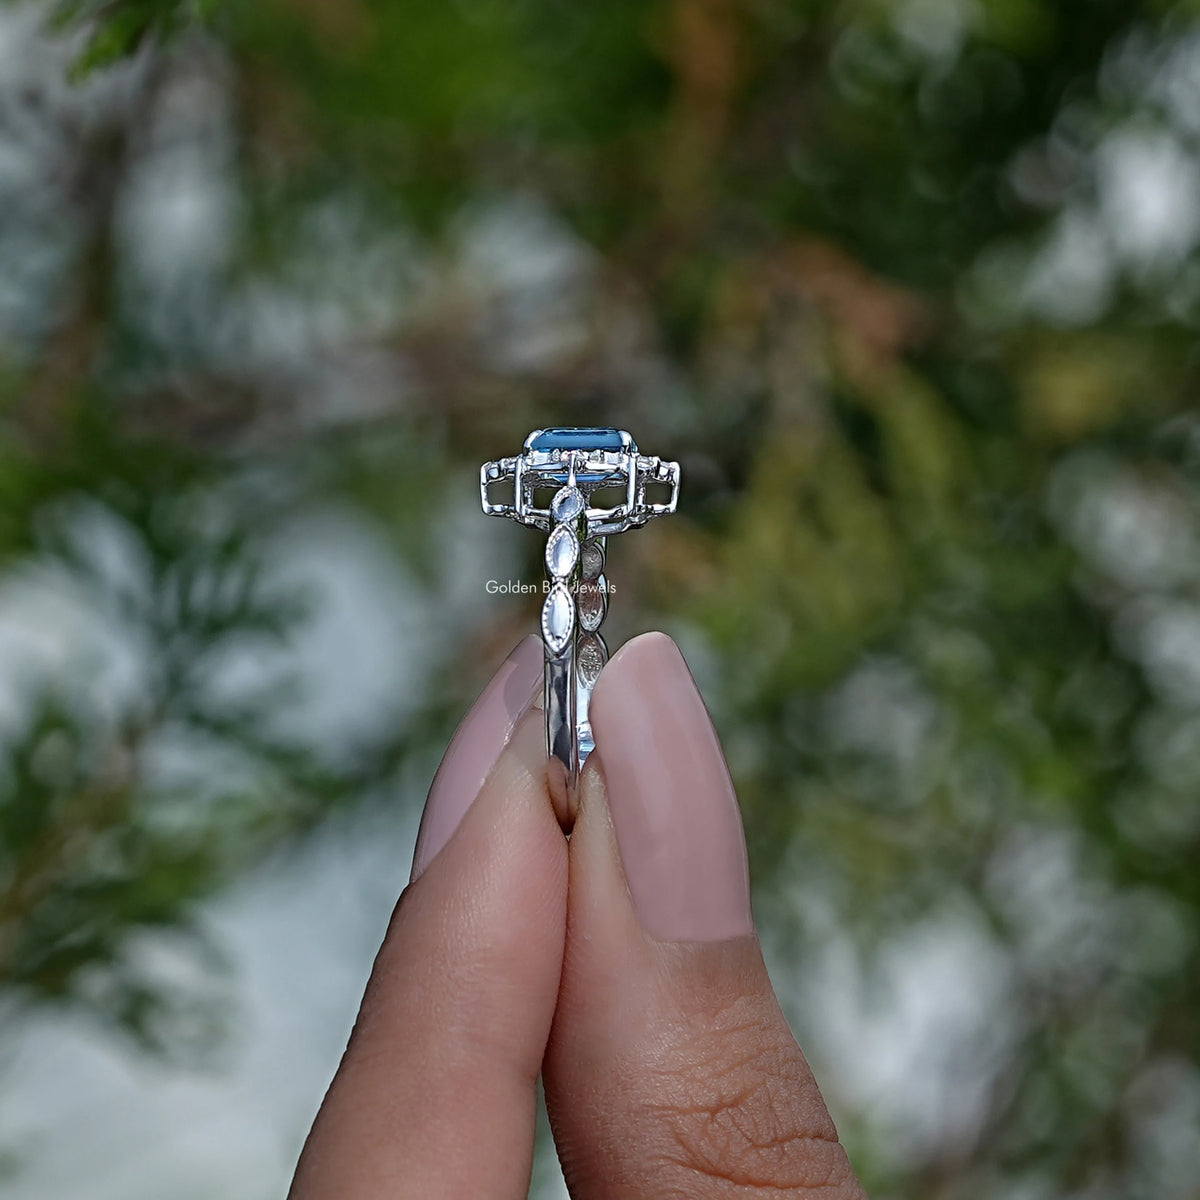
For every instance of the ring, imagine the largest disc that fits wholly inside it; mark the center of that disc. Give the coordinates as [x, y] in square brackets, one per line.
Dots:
[564, 469]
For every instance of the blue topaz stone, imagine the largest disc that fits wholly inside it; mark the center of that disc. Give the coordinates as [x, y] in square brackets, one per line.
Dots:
[591, 439]
[588, 453]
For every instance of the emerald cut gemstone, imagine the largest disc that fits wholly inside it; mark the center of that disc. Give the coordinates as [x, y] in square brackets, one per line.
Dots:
[585, 438]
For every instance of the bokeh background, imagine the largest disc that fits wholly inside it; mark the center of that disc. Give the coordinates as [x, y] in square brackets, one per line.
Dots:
[911, 289]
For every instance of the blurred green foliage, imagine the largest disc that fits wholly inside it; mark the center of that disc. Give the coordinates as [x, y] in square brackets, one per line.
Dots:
[888, 278]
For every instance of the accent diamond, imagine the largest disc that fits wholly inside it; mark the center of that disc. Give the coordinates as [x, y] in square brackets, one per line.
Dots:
[567, 504]
[590, 656]
[593, 604]
[558, 618]
[562, 552]
[591, 556]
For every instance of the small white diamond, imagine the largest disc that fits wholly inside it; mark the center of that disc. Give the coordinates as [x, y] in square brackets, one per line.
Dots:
[562, 552]
[567, 504]
[592, 558]
[590, 657]
[558, 618]
[593, 603]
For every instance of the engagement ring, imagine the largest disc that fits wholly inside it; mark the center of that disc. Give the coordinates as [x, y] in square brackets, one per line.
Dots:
[578, 486]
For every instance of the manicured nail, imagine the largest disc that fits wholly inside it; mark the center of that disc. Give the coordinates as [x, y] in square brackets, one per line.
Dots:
[476, 745]
[673, 807]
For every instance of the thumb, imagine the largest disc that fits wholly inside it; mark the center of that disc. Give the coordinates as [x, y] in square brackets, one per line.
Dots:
[671, 1070]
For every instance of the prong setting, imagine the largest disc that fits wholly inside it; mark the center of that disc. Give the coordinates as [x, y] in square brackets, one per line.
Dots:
[606, 458]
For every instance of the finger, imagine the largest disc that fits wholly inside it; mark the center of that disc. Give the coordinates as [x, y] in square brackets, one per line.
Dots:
[671, 1070]
[436, 1095]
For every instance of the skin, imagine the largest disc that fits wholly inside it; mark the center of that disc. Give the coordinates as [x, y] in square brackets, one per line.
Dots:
[668, 1066]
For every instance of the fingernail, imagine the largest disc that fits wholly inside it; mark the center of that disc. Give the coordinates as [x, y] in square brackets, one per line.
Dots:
[674, 811]
[476, 745]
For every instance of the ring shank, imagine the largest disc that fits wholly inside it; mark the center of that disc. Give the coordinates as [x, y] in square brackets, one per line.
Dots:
[562, 742]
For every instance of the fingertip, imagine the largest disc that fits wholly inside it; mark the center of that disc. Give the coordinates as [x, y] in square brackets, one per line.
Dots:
[475, 748]
[436, 1094]
[651, 647]
[672, 800]
[671, 1069]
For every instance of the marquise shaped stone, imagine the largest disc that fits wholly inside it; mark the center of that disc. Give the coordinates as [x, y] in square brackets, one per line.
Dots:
[591, 655]
[567, 504]
[562, 552]
[593, 603]
[558, 618]
[591, 558]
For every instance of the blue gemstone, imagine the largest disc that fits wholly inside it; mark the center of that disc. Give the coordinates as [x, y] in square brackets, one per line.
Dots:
[565, 438]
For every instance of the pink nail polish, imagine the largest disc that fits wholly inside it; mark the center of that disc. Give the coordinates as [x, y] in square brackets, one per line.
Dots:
[476, 745]
[676, 817]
